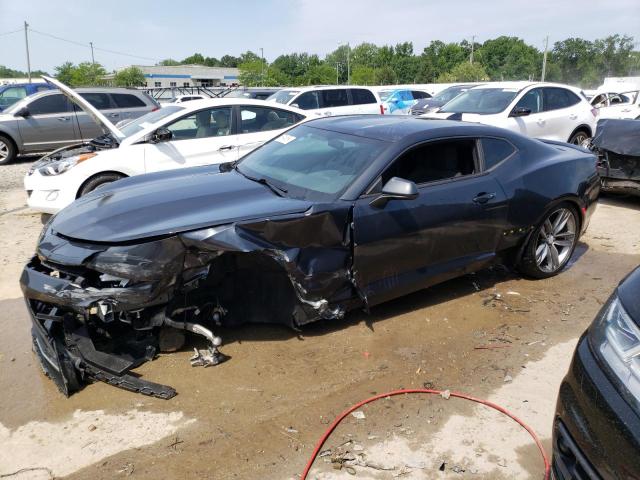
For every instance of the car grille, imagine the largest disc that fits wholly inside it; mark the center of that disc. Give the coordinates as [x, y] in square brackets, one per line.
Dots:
[569, 463]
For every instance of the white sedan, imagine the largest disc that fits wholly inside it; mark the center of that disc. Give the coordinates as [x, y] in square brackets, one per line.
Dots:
[541, 110]
[199, 132]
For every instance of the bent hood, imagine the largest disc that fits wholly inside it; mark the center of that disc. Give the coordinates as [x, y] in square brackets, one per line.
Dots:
[89, 109]
[170, 202]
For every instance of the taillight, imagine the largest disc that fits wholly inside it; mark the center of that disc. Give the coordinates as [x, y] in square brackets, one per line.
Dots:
[594, 112]
[155, 108]
[381, 109]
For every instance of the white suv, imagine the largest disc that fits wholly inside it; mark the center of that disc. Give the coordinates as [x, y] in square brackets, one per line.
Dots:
[541, 110]
[331, 100]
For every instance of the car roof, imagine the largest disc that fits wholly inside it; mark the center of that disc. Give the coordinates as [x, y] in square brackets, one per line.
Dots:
[393, 128]
[325, 87]
[223, 101]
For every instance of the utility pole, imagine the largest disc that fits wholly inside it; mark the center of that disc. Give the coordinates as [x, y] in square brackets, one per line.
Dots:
[544, 58]
[26, 42]
[337, 73]
[348, 64]
[262, 67]
[473, 40]
[93, 60]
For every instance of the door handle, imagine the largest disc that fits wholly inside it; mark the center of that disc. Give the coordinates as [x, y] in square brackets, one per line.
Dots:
[114, 115]
[63, 119]
[226, 147]
[573, 116]
[540, 121]
[483, 197]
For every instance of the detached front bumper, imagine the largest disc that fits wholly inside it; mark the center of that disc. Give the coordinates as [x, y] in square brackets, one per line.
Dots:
[63, 342]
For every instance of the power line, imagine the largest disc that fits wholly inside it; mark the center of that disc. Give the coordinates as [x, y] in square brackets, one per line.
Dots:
[9, 33]
[88, 45]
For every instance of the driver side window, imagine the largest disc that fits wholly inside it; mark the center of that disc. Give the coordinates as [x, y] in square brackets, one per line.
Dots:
[532, 100]
[435, 161]
[212, 122]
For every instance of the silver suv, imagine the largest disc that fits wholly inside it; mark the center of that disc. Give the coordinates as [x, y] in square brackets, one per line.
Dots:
[46, 121]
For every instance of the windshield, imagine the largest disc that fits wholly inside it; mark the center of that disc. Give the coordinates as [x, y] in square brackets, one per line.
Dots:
[483, 101]
[312, 164]
[449, 94]
[283, 96]
[150, 118]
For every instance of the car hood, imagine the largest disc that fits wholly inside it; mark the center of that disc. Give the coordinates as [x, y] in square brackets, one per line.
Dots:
[169, 202]
[93, 112]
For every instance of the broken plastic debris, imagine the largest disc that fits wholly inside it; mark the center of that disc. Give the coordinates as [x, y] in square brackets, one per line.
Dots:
[359, 414]
[446, 394]
[508, 378]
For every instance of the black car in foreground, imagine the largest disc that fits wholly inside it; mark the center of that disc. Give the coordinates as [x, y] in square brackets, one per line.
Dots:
[596, 433]
[335, 214]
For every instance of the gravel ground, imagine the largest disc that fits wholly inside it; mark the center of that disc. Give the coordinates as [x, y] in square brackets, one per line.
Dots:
[13, 173]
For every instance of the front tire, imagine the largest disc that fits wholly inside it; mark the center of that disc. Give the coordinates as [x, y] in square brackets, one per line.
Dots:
[552, 243]
[8, 150]
[99, 180]
[580, 138]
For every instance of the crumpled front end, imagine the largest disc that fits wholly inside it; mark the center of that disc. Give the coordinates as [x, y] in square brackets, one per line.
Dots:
[100, 310]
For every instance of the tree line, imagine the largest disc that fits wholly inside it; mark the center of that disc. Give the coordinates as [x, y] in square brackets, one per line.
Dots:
[575, 61]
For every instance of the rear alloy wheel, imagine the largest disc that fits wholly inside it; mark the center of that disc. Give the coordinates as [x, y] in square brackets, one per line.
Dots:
[7, 150]
[580, 138]
[550, 247]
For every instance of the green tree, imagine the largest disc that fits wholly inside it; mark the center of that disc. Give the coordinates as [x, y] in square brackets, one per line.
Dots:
[195, 59]
[340, 56]
[385, 76]
[296, 65]
[510, 58]
[364, 55]
[87, 74]
[363, 75]
[229, 61]
[169, 62]
[64, 72]
[439, 58]
[255, 73]
[129, 77]
[464, 72]
[321, 74]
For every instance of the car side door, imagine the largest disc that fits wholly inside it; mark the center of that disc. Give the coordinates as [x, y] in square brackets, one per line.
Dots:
[453, 227]
[560, 113]
[364, 101]
[527, 116]
[259, 124]
[48, 124]
[204, 137]
[89, 129]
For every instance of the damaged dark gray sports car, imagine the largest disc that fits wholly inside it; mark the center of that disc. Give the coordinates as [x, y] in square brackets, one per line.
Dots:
[337, 214]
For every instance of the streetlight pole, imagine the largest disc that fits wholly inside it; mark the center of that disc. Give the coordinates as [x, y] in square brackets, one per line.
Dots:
[473, 41]
[93, 60]
[544, 58]
[26, 42]
[262, 67]
[348, 64]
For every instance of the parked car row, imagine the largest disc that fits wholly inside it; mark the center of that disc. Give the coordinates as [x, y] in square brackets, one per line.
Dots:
[48, 120]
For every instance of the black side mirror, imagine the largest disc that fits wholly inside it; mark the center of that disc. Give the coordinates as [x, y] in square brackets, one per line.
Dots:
[162, 134]
[395, 189]
[520, 112]
[23, 112]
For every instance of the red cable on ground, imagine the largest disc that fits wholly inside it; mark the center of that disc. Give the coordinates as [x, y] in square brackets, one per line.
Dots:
[336, 422]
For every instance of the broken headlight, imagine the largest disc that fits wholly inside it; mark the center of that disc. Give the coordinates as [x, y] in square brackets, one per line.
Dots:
[60, 166]
[615, 338]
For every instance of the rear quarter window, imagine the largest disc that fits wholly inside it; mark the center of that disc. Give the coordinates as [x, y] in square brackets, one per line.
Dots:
[557, 98]
[98, 100]
[494, 151]
[124, 100]
[362, 96]
[334, 98]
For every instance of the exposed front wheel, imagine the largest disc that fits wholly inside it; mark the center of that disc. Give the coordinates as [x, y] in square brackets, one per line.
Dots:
[551, 245]
[99, 181]
[580, 138]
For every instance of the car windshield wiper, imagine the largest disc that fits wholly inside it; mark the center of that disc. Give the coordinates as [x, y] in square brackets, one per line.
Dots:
[274, 188]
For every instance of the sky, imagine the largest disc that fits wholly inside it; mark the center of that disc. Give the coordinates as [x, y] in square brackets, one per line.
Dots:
[161, 29]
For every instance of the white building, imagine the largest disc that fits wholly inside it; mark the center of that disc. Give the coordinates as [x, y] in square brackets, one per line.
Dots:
[158, 76]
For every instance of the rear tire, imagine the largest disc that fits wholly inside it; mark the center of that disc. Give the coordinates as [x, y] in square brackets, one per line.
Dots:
[580, 138]
[99, 180]
[552, 243]
[8, 150]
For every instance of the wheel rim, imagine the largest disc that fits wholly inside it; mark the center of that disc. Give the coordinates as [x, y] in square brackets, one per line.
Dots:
[580, 139]
[556, 238]
[4, 150]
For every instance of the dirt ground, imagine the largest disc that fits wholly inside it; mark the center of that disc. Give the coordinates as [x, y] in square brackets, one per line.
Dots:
[259, 415]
